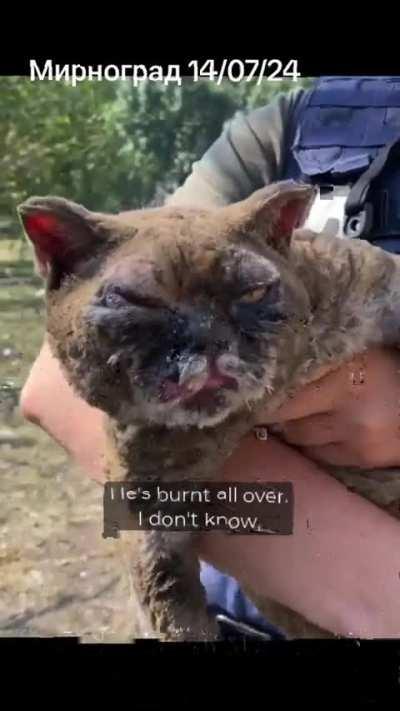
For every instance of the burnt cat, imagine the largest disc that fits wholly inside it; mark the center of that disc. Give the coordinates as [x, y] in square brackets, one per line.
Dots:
[181, 324]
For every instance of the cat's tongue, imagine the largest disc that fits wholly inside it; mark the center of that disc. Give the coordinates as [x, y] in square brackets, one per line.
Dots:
[195, 380]
[213, 379]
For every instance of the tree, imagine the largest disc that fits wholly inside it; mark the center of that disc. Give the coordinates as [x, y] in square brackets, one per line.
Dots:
[110, 145]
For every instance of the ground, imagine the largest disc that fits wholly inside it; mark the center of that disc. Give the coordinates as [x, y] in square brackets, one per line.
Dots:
[58, 576]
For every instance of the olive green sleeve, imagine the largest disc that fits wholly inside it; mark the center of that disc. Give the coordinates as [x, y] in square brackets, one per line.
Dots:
[248, 154]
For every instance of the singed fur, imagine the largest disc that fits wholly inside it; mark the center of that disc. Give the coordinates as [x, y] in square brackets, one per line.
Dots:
[326, 301]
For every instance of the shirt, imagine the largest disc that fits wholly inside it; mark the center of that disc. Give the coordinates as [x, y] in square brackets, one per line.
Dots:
[251, 153]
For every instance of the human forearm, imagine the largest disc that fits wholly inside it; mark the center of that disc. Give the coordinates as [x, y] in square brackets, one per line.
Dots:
[340, 568]
[48, 401]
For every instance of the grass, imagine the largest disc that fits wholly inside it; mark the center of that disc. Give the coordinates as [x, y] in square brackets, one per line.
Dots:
[22, 316]
[58, 576]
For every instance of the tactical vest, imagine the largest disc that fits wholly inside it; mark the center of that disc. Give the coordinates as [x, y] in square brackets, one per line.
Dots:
[345, 138]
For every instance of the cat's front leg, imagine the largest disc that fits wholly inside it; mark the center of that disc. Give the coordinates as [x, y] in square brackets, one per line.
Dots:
[166, 585]
[164, 564]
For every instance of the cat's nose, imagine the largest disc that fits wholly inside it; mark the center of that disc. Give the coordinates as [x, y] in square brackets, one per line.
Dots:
[205, 334]
[198, 333]
[221, 344]
[209, 344]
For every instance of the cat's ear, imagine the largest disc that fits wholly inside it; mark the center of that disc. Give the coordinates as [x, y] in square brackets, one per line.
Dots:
[62, 233]
[275, 211]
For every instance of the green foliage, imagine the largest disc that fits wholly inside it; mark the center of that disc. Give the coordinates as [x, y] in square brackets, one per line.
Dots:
[110, 145]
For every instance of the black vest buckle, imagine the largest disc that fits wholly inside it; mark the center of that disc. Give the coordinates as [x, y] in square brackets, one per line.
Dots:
[360, 225]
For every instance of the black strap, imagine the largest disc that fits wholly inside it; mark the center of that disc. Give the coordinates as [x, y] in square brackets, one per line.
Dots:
[234, 629]
[358, 194]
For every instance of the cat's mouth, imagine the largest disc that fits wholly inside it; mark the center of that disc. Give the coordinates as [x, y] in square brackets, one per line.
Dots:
[202, 390]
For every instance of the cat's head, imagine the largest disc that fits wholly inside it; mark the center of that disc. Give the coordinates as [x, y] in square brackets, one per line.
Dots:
[176, 316]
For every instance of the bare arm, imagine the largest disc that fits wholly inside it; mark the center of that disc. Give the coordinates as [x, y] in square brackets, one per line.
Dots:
[341, 567]
[342, 573]
[48, 401]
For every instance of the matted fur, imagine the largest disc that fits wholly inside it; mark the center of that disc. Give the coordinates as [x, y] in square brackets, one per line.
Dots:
[139, 304]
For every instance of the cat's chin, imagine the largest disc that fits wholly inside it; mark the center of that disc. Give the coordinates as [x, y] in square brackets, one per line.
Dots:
[209, 409]
[201, 418]
[205, 409]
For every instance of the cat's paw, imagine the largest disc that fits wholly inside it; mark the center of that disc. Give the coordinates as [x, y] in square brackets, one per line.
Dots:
[205, 631]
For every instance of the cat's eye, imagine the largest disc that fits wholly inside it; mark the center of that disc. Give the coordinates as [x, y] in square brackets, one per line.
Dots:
[253, 296]
[117, 297]
[114, 300]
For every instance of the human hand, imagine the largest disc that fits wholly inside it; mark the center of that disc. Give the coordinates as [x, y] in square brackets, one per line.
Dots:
[340, 566]
[349, 416]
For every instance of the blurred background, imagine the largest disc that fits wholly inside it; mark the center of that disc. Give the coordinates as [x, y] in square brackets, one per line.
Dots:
[110, 146]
